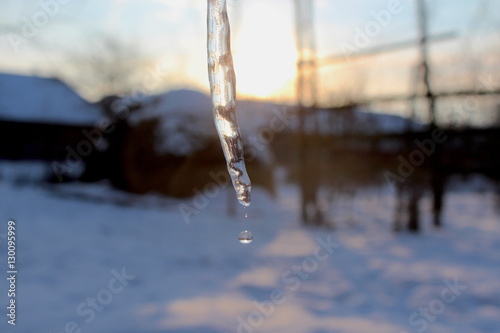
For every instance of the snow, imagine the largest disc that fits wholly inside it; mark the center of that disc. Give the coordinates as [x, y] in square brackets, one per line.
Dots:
[25, 171]
[360, 119]
[44, 100]
[74, 239]
[186, 120]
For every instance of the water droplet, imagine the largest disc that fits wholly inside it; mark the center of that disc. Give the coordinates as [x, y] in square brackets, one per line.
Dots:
[245, 237]
[246, 215]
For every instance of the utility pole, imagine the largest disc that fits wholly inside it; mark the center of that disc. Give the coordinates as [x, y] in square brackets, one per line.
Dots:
[438, 178]
[424, 60]
[306, 99]
[306, 49]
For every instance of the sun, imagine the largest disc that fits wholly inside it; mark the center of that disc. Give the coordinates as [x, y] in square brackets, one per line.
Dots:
[264, 55]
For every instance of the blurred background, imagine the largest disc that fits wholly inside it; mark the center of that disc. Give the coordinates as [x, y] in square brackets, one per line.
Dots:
[371, 132]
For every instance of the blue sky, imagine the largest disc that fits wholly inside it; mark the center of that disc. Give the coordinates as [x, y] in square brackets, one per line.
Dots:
[172, 32]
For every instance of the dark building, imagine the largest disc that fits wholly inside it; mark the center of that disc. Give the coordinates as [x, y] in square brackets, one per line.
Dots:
[42, 118]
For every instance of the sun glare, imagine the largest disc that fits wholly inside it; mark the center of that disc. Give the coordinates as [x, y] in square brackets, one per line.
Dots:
[264, 54]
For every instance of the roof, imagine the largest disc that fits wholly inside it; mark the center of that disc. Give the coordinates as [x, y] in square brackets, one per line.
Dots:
[44, 100]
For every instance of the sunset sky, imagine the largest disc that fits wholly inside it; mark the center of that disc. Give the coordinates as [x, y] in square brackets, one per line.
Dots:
[173, 34]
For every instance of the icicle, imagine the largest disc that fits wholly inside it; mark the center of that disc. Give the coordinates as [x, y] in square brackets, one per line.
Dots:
[223, 91]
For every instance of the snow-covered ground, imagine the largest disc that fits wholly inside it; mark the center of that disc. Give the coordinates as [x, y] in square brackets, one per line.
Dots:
[93, 259]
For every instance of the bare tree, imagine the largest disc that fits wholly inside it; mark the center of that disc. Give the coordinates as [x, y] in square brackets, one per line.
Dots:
[96, 64]
[344, 87]
[105, 65]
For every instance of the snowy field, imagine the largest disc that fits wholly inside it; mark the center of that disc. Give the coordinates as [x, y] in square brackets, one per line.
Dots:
[93, 259]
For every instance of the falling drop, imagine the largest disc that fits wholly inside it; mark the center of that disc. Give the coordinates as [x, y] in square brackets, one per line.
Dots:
[246, 215]
[245, 237]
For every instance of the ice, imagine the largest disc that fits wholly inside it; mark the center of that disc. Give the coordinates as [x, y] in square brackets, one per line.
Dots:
[223, 90]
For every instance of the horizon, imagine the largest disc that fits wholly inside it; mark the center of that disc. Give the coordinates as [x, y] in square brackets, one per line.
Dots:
[139, 95]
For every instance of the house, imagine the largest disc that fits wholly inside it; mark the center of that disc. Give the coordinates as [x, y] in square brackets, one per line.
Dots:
[168, 144]
[43, 119]
[165, 143]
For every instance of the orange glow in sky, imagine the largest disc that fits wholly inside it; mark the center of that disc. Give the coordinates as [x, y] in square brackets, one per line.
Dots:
[264, 53]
